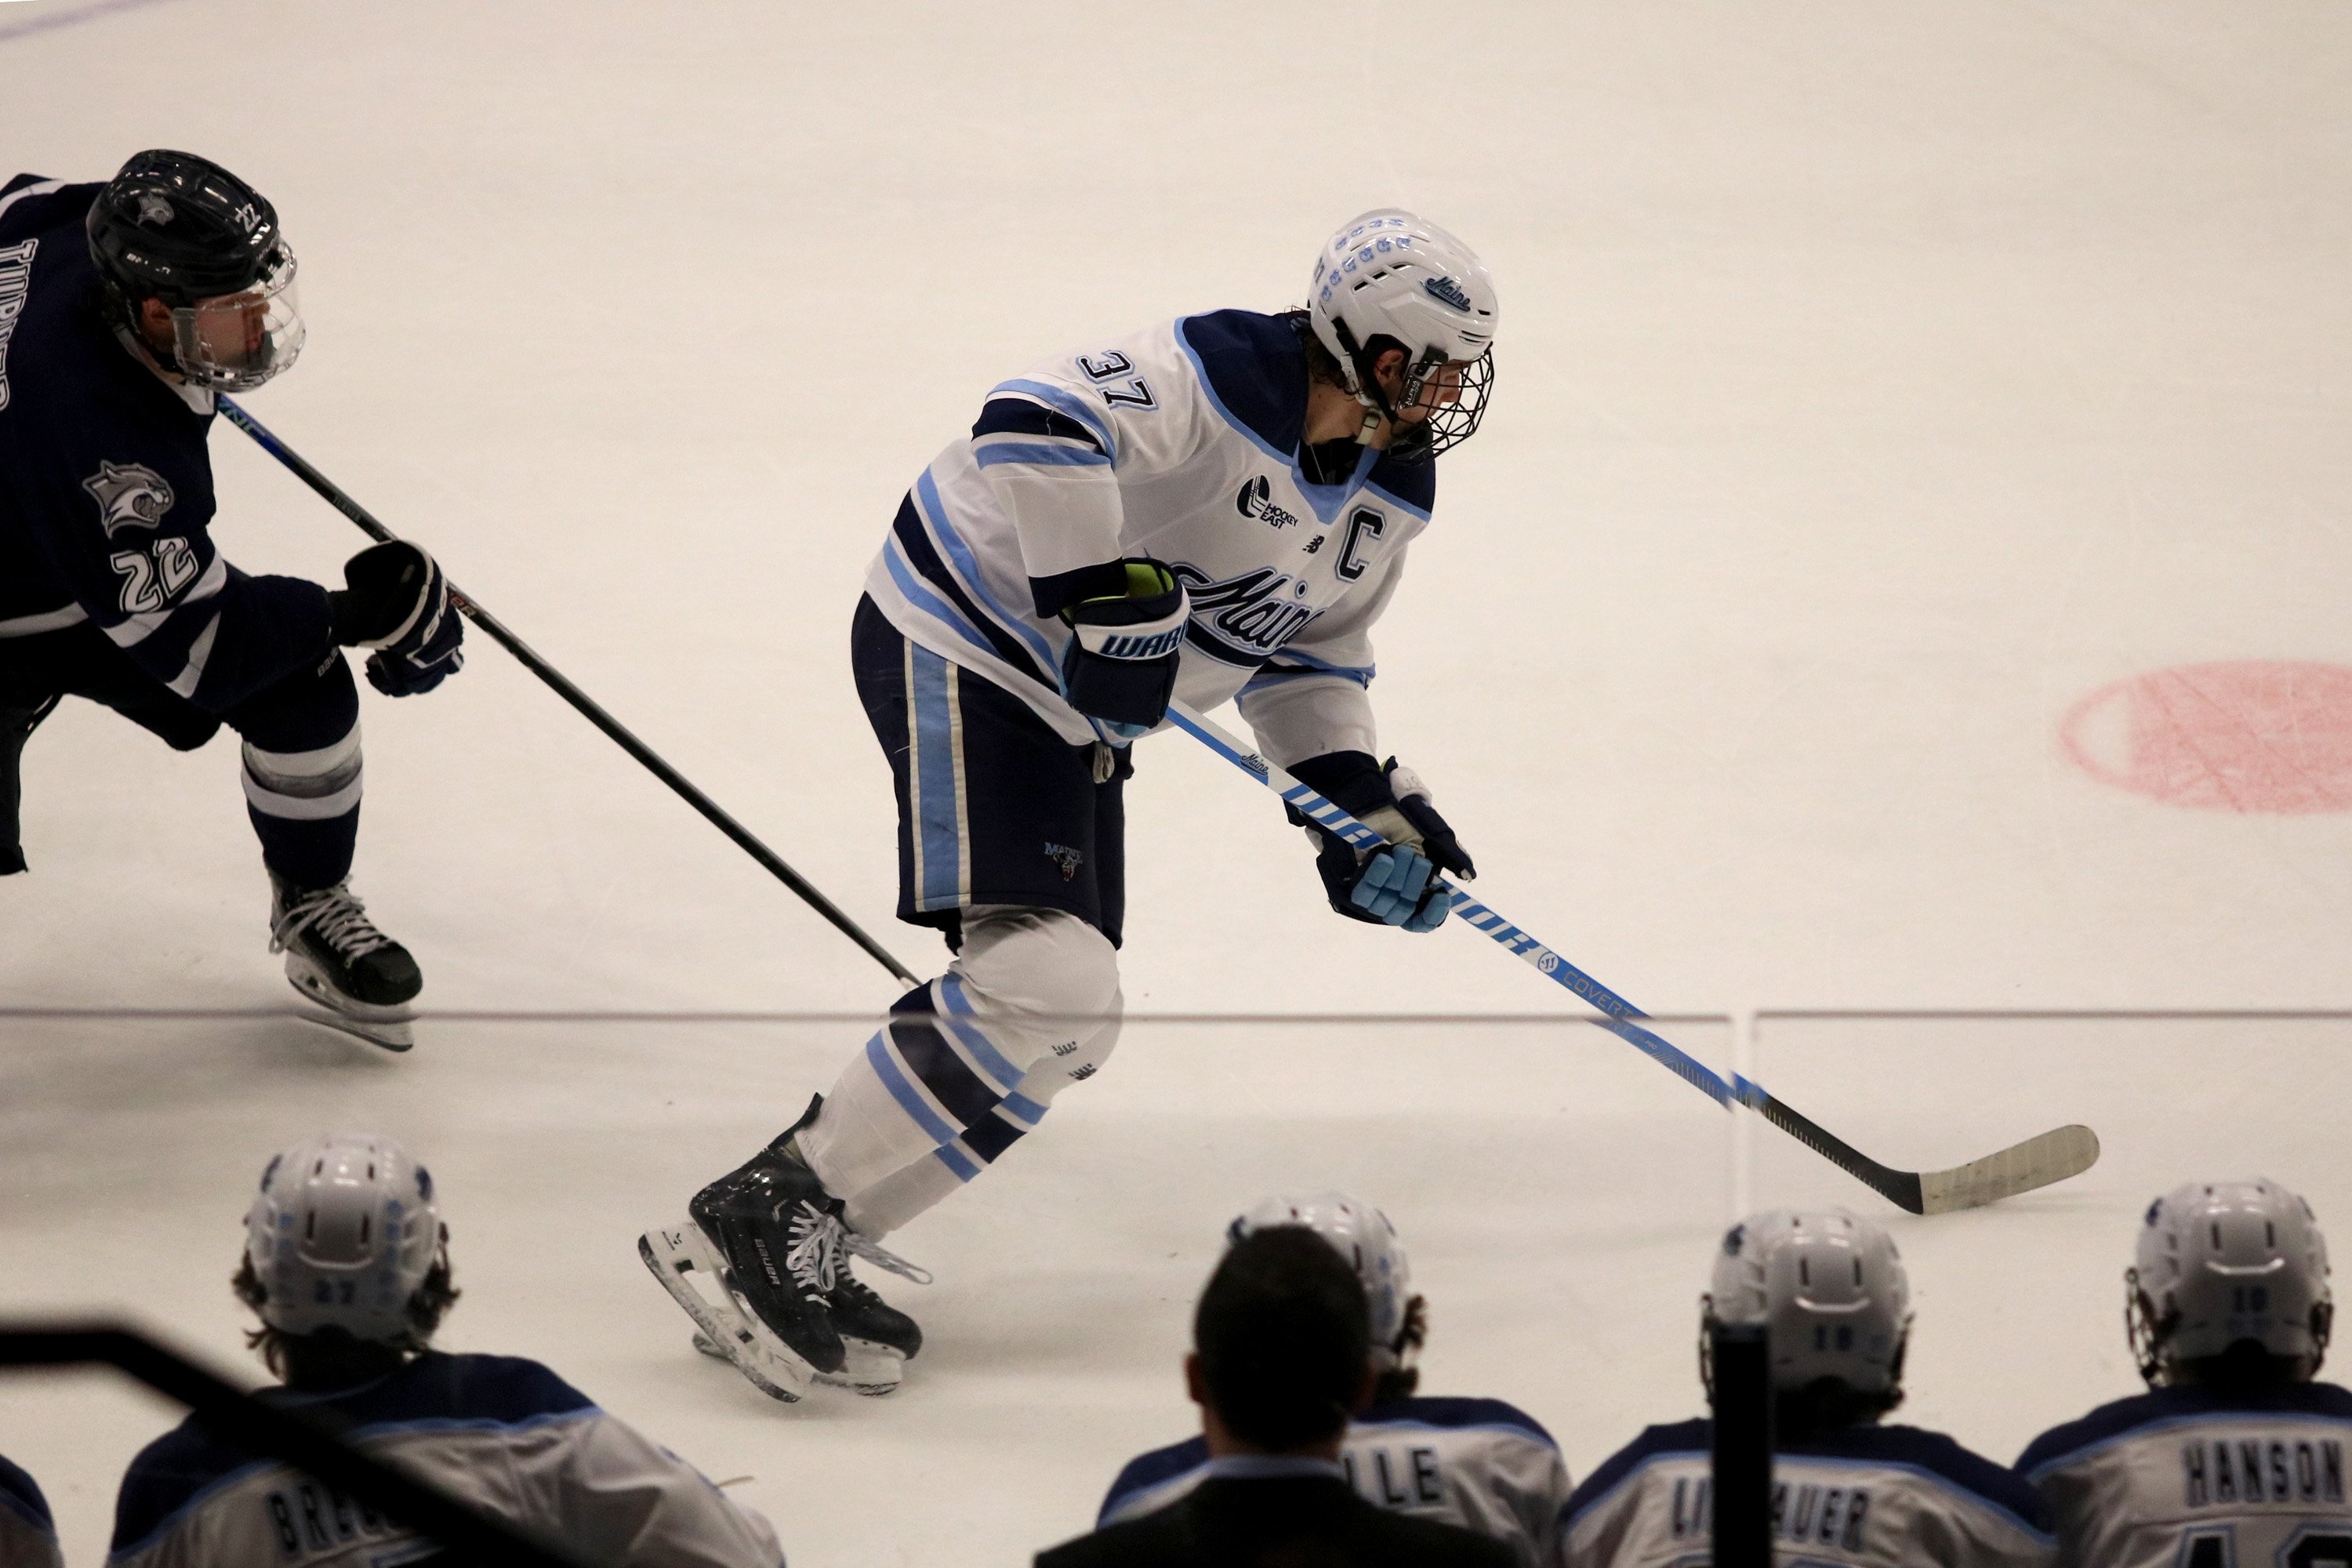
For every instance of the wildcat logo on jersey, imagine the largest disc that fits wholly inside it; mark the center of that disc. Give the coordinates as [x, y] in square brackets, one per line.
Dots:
[16, 278]
[128, 496]
[1246, 618]
[1253, 501]
[1446, 291]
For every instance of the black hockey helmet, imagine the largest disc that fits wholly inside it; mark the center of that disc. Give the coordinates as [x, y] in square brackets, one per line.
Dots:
[179, 229]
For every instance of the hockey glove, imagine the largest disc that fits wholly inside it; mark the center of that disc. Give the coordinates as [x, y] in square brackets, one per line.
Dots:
[396, 602]
[1121, 668]
[1396, 884]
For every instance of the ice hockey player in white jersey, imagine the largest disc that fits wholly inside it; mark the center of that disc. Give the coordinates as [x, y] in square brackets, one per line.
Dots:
[1478, 1463]
[27, 1537]
[1213, 508]
[2235, 1455]
[346, 1262]
[1847, 1488]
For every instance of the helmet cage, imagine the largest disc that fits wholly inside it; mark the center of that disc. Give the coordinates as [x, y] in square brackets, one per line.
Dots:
[1446, 425]
[234, 342]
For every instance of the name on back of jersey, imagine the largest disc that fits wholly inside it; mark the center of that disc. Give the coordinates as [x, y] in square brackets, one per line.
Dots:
[2226, 1471]
[1804, 1513]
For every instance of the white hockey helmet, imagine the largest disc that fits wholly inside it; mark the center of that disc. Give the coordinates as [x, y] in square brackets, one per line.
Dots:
[2220, 1263]
[342, 1234]
[1363, 1235]
[1830, 1288]
[1389, 275]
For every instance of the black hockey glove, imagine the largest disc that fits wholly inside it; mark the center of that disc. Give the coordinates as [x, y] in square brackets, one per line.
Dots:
[396, 602]
[1397, 883]
[1120, 669]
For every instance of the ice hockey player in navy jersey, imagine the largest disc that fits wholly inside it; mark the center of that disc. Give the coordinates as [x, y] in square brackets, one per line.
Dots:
[27, 1537]
[1217, 507]
[1847, 1488]
[2235, 1455]
[125, 308]
[1478, 1463]
[346, 1262]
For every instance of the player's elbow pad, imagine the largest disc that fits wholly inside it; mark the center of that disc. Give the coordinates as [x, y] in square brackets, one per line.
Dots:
[1121, 666]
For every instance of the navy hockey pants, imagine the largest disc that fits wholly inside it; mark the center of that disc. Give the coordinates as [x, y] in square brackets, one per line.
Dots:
[301, 755]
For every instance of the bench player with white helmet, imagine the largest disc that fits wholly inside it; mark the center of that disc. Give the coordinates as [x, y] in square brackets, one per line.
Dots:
[1478, 1463]
[1215, 508]
[2235, 1454]
[1847, 1489]
[346, 1263]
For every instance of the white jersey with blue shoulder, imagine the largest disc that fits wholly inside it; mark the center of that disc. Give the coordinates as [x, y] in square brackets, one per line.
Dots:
[1864, 1497]
[504, 1434]
[1478, 1463]
[2196, 1477]
[1182, 443]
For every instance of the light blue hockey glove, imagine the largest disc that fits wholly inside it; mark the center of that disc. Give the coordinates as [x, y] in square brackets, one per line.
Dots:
[1390, 886]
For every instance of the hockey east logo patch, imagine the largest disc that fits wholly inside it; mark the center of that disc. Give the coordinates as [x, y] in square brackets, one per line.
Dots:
[129, 495]
[1255, 500]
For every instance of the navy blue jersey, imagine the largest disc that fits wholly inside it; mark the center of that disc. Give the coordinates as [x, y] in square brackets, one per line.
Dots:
[106, 487]
[27, 1537]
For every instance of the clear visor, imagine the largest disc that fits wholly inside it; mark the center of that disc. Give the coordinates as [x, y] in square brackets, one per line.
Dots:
[236, 342]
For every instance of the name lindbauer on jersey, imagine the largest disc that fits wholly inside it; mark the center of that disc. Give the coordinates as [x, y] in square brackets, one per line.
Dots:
[2203, 1478]
[1478, 1463]
[1182, 443]
[1886, 1497]
[504, 1434]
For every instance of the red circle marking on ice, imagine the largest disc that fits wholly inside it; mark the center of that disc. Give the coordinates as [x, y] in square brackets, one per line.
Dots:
[2256, 735]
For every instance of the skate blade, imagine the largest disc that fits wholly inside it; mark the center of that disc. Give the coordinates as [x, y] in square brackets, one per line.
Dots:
[872, 1369]
[678, 1255]
[391, 1027]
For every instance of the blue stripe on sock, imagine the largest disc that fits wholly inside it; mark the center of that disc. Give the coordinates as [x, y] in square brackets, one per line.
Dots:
[1025, 1108]
[877, 1055]
[955, 1160]
[992, 1060]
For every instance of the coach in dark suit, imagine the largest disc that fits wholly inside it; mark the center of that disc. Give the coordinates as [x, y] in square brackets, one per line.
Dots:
[1282, 1357]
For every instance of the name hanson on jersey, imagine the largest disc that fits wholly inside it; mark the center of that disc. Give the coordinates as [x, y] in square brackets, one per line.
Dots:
[2221, 1471]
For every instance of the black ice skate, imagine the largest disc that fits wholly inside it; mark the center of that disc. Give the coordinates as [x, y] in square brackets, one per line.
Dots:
[877, 1339]
[336, 957]
[768, 1237]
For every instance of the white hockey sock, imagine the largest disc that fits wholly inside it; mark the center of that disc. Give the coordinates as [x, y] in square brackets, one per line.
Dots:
[967, 1064]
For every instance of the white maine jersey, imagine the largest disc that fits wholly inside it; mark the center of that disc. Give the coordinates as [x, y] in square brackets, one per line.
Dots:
[1869, 1496]
[1179, 443]
[1478, 1463]
[506, 1435]
[2188, 1478]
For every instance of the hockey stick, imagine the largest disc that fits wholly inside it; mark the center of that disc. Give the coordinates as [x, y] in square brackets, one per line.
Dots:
[580, 700]
[2054, 1156]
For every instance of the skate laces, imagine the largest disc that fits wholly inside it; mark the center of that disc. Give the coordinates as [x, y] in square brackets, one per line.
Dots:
[858, 1246]
[813, 1255]
[339, 918]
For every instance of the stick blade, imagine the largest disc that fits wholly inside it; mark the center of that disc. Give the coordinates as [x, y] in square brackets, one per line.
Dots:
[2054, 1156]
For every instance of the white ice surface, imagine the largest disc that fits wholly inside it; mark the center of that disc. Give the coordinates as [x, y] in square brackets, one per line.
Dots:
[1876, 382]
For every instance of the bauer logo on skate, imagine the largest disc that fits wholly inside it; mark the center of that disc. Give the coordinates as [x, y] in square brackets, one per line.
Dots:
[128, 496]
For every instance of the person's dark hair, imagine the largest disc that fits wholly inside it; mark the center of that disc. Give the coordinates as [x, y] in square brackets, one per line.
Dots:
[2243, 1368]
[1829, 1405]
[331, 1358]
[1321, 365]
[1285, 1338]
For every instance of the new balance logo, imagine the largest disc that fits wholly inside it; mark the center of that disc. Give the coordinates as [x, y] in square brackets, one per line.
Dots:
[1253, 501]
[1447, 291]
